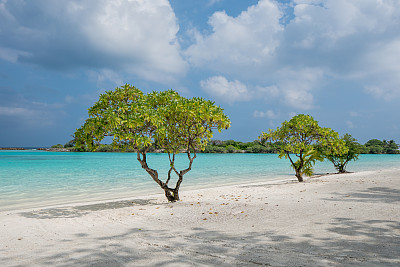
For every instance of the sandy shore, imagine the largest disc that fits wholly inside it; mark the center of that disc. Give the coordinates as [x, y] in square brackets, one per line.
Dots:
[335, 220]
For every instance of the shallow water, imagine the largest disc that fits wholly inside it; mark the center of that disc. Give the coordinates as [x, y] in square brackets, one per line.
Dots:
[31, 178]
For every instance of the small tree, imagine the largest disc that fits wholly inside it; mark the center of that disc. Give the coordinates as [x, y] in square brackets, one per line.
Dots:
[135, 121]
[298, 138]
[340, 161]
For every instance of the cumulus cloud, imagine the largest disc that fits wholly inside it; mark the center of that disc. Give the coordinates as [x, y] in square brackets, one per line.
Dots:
[136, 36]
[356, 41]
[248, 40]
[381, 70]
[293, 87]
[297, 85]
[346, 41]
[219, 87]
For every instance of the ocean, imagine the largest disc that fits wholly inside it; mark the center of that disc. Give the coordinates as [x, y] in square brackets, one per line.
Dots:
[34, 179]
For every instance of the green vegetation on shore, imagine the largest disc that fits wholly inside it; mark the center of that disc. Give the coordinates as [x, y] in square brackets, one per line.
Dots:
[373, 146]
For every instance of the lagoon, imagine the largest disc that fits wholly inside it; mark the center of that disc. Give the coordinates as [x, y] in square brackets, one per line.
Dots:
[34, 179]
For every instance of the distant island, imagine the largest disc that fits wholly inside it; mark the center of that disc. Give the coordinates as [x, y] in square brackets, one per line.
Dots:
[373, 146]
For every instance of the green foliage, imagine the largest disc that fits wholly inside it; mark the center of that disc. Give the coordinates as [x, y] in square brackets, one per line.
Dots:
[135, 121]
[310, 158]
[375, 146]
[390, 147]
[257, 148]
[69, 144]
[231, 149]
[215, 149]
[340, 160]
[57, 146]
[231, 146]
[299, 136]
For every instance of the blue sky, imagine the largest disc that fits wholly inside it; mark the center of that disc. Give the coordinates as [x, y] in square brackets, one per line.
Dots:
[262, 61]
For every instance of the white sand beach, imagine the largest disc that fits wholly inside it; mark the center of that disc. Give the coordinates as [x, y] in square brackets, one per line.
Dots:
[335, 220]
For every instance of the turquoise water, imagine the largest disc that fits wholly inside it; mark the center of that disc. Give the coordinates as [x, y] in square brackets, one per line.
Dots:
[33, 178]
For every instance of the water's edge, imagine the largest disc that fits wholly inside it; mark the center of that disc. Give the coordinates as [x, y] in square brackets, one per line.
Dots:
[33, 179]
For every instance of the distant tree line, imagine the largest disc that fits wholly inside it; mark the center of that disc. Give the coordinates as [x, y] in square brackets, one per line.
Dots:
[373, 146]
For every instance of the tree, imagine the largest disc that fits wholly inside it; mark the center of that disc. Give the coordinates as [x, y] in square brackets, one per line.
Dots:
[374, 146]
[299, 137]
[136, 120]
[390, 147]
[340, 161]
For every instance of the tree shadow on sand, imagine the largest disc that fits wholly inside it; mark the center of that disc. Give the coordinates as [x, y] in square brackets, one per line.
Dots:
[78, 211]
[348, 242]
[373, 194]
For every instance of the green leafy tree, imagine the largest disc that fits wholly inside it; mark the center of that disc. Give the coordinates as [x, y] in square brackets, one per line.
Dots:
[390, 147]
[136, 120]
[374, 146]
[340, 160]
[215, 149]
[298, 138]
[256, 148]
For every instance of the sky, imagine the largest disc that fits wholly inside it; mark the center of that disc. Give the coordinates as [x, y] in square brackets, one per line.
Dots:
[261, 61]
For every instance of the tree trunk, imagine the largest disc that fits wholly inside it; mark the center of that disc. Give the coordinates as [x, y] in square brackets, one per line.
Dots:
[172, 195]
[298, 175]
[297, 168]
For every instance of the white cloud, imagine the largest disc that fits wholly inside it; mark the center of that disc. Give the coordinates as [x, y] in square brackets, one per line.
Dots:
[133, 36]
[13, 111]
[213, 2]
[221, 88]
[357, 41]
[268, 91]
[267, 114]
[293, 87]
[246, 41]
[104, 76]
[37, 115]
[297, 86]
[11, 55]
[381, 70]
[328, 21]
[338, 40]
